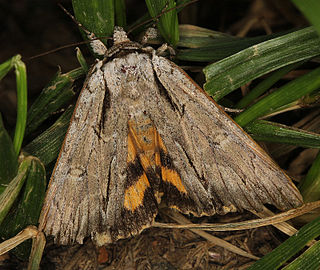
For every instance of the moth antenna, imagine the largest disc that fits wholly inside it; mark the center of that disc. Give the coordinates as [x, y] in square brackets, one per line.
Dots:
[97, 45]
[75, 20]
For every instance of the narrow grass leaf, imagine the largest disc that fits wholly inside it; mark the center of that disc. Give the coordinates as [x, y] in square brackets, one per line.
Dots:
[262, 130]
[310, 259]
[53, 97]
[230, 73]
[82, 61]
[47, 145]
[310, 186]
[6, 66]
[310, 9]
[9, 195]
[284, 95]
[120, 13]
[289, 248]
[38, 244]
[22, 97]
[215, 47]
[265, 85]
[28, 207]
[8, 158]
[96, 16]
[167, 20]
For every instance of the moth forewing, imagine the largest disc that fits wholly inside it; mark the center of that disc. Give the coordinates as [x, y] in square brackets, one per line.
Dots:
[143, 133]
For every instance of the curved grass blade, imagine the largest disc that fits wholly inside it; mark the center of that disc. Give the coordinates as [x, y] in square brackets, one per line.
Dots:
[310, 9]
[265, 85]
[289, 248]
[168, 21]
[230, 73]
[21, 80]
[8, 158]
[310, 259]
[47, 145]
[262, 130]
[9, 195]
[310, 185]
[284, 95]
[96, 16]
[55, 95]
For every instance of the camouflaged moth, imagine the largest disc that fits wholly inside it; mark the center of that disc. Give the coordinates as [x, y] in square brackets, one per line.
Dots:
[143, 133]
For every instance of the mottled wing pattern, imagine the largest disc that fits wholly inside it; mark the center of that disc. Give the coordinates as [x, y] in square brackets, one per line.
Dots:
[89, 191]
[143, 134]
[220, 165]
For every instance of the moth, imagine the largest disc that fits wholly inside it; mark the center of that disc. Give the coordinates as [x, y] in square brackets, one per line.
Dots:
[143, 136]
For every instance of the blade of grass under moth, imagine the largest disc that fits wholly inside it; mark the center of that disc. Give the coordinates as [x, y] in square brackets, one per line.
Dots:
[143, 22]
[286, 94]
[230, 73]
[82, 61]
[38, 244]
[8, 158]
[310, 9]
[214, 49]
[192, 36]
[22, 97]
[310, 186]
[28, 207]
[310, 259]
[168, 21]
[265, 85]
[96, 16]
[120, 13]
[9, 195]
[262, 130]
[58, 93]
[47, 145]
[310, 122]
[289, 248]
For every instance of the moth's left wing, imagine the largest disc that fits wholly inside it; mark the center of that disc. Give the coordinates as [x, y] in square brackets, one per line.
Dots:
[212, 152]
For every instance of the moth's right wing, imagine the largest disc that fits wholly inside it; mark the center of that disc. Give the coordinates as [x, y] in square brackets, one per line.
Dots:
[218, 162]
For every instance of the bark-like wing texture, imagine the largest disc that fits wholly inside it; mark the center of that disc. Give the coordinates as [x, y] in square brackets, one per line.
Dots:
[218, 162]
[87, 188]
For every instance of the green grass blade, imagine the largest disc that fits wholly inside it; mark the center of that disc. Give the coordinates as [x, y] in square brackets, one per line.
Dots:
[284, 95]
[262, 130]
[82, 61]
[9, 195]
[265, 85]
[310, 259]
[310, 8]
[215, 46]
[96, 16]
[47, 145]
[8, 158]
[8, 65]
[289, 248]
[120, 12]
[22, 97]
[230, 73]
[54, 96]
[168, 21]
[27, 210]
[310, 186]
[38, 245]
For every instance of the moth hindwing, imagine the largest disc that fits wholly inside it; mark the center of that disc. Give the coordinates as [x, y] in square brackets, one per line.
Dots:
[143, 133]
